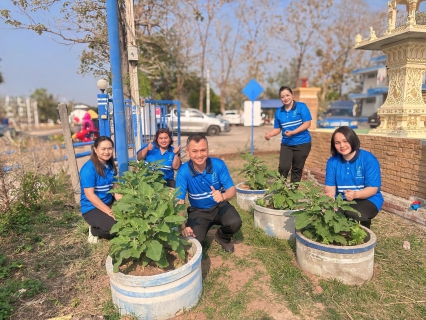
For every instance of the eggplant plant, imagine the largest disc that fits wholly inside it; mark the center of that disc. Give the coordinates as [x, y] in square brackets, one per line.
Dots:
[147, 218]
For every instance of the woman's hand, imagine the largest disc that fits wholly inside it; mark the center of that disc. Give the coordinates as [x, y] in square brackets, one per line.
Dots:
[176, 150]
[350, 195]
[150, 146]
[267, 136]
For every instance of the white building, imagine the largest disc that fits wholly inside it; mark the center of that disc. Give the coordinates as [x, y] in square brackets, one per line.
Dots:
[374, 86]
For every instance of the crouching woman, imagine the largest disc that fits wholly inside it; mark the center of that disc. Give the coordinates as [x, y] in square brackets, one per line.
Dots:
[97, 178]
[355, 174]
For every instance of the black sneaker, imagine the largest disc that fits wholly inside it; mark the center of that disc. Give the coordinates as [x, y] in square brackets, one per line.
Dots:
[228, 247]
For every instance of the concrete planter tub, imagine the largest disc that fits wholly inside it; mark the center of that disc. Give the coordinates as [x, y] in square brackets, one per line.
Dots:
[275, 223]
[247, 197]
[348, 264]
[160, 296]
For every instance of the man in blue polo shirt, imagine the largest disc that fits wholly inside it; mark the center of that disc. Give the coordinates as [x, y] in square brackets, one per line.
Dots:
[209, 186]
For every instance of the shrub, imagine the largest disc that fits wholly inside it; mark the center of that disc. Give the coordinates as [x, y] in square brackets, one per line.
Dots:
[256, 172]
[282, 195]
[322, 220]
[147, 219]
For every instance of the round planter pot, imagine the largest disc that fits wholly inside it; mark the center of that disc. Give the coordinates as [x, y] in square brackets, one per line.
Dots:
[275, 223]
[160, 296]
[350, 264]
[246, 198]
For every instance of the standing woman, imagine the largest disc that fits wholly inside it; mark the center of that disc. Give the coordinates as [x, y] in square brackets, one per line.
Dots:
[293, 120]
[161, 149]
[355, 174]
[97, 178]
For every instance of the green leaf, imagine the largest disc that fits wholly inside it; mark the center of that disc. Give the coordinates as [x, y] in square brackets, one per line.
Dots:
[302, 220]
[154, 250]
[162, 262]
[174, 219]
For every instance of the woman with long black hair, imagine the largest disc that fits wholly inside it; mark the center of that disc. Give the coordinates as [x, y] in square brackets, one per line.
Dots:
[96, 179]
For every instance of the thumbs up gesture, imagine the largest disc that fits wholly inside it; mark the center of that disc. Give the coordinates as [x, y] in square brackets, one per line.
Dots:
[150, 146]
[217, 195]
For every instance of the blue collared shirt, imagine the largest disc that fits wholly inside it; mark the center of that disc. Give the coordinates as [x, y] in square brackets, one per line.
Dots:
[89, 178]
[362, 171]
[291, 120]
[166, 159]
[198, 185]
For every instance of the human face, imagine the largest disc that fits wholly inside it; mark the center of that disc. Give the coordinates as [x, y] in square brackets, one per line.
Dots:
[343, 146]
[104, 151]
[198, 153]
[163, 140]
[286, 97]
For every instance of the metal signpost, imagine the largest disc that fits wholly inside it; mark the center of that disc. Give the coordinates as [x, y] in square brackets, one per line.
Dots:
[252, 90]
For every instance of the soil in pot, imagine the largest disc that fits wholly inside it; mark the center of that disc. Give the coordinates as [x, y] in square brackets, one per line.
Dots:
[135, 267]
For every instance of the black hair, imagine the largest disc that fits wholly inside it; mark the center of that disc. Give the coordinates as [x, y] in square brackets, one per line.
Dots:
[350, 136]
[196, 138]
[94, 157]
[284, 88]
[163, 130]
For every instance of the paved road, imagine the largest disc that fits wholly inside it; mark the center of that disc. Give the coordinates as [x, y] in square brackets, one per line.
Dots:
[236, 141]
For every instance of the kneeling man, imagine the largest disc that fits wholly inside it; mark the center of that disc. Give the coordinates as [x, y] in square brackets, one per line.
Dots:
[209, 186]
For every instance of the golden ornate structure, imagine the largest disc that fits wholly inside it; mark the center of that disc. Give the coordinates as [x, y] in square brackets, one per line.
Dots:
[404, 111]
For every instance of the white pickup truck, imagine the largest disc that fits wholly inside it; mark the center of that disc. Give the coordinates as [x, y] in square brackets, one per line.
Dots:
[234, 117]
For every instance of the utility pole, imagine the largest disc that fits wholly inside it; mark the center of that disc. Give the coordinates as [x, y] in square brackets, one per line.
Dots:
[133, 57]
[36, 121]
[208, 91]
[29, 118]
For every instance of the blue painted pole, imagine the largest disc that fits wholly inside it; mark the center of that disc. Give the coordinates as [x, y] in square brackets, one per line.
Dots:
[252, 129]
[117, 87]
[103, 115]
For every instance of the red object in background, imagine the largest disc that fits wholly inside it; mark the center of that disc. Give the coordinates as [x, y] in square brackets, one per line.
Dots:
[76, 119]
[87, 135]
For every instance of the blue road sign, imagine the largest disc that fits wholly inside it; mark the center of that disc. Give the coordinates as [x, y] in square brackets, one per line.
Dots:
[252, 90]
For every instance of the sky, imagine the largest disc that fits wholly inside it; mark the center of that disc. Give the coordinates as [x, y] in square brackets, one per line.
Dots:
[30, 61]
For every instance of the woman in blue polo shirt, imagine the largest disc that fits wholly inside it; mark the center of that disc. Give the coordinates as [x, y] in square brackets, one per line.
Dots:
[292, 120]
[96, 179]
[161, 149]
[355, 174]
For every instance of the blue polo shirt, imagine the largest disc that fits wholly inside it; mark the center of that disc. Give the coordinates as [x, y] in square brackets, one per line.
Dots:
[89, 178]
[165, 159]
[293, 119]
[198, 184]
[362, 171]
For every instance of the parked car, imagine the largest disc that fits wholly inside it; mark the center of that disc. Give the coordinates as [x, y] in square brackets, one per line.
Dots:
[233, 116]
[374, 120]
[193, 120]
[339, 114]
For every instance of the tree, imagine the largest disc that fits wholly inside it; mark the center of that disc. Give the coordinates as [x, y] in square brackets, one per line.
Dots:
[255, 17]
[300, 28]
[203, 14]
[284, 77]
[336, 57]
[226, 54]
[46, 104]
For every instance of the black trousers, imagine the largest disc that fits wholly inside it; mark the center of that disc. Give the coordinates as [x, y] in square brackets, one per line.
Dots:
[294, 158]
[223, 214]
[170, 183]
[366, 208]
[100, 223]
